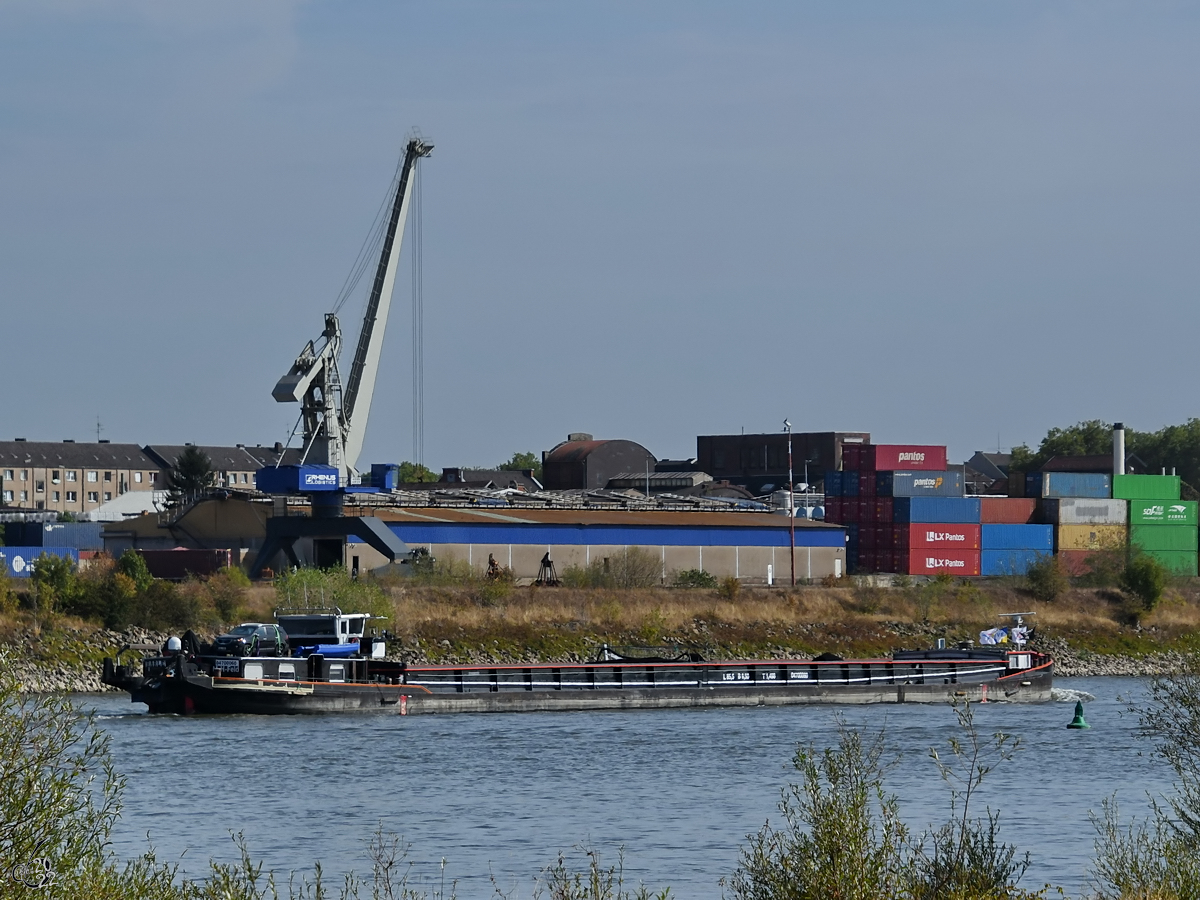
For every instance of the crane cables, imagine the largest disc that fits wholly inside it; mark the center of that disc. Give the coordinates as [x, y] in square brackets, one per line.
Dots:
[418, 320]
[370, 246]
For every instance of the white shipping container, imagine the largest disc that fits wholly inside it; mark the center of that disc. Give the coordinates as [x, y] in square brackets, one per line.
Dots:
[1085, 511]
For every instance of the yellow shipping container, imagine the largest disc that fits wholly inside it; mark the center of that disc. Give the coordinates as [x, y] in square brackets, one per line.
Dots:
[1091, 537]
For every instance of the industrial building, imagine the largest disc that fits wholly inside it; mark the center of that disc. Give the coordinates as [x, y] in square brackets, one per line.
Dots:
[582, 463]
[759, 462]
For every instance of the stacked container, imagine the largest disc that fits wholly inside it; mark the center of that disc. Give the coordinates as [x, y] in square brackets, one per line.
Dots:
[1084, 526]
[1160, 524]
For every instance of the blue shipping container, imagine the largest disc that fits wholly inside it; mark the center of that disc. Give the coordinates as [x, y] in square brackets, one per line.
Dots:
[1008, 562]
[850, 484]
[1017, 537]
[18, 561]
[80, 535]
[1068, 484]
[955, 510]
[17, 534]
[852, 535]
[296, 479]
[833, 483]
[919, 484]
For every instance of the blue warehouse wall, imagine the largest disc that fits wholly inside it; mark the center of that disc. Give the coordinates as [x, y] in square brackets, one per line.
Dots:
[616, 535]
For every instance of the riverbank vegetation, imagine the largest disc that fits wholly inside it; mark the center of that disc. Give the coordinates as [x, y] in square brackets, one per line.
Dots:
[447, 614]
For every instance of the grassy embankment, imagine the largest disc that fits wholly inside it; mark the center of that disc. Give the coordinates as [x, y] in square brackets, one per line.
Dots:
[481, 622]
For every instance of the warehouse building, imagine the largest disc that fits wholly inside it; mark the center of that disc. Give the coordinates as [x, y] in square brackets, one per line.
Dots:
[752, 547]
[581, 463]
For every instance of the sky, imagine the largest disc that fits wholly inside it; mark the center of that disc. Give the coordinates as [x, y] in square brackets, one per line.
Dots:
[939, 222]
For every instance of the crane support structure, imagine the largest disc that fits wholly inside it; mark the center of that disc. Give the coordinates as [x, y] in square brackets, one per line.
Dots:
[333, 434]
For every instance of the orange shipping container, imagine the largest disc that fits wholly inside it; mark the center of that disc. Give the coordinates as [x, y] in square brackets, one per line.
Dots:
[1006, 510]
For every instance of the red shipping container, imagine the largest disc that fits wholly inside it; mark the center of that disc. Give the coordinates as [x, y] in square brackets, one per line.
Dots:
[1076, 562]
[883, 510]
[1006, 510]
[866, 560]
[886, 560]
[851, 457]
[833, 509]
[943, 536]
[936, 560]
[866, 509]
[907, 457]
[867, 538]
[866, 484]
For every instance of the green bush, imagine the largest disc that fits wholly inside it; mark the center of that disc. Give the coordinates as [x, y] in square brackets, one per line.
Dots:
[629, 568]
[313, 588]
[1146, 578]
[695, 578]
[730, 588]
[1047, 579]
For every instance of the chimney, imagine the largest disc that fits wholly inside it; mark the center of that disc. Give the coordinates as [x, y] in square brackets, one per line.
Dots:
[1118, 448]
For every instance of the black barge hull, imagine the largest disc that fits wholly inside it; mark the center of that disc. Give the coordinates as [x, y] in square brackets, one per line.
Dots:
[184, 686]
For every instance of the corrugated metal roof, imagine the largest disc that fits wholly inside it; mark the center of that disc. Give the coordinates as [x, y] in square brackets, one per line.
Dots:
[572, 451]
[597, 517]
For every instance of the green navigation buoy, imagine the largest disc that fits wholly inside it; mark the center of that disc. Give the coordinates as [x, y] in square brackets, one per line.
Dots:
[1079, 721]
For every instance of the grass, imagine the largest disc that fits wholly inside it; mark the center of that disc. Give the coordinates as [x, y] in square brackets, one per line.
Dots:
[460, 623]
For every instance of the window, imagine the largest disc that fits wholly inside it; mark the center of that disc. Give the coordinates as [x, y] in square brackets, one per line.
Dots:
[72, 496]
[39, 487]
[24, 496]
[107, 496]
[8, 496]
[24, 474]
[71, 475]
[54, 496]
[231, 477]
[93, 497]
[92, 477]
[8, 475]
[108, 476]
[137, 477]
[153, 477]
[55, 476]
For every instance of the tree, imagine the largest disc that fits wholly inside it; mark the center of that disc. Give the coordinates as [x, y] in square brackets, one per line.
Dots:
[192, 471]
[415, 473]
[520, 461]
[1090, 438]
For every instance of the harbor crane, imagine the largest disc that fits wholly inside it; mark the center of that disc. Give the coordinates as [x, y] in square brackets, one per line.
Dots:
[333, 433]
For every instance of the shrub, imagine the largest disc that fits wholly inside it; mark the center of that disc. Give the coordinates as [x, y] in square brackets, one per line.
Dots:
[695, 578]
[1146, 578]
[1047, 580]
[730, 588]
[133, 565]
[54, 583]
[307, 588]
[226, 593]
[631, 567]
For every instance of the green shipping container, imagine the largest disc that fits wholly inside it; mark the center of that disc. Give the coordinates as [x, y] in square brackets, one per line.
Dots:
[1180, 562]
[1163, 537]
[1162, 512]
[1146, 487]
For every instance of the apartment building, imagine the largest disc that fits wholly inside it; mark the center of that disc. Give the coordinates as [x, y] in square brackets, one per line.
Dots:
[73, 477]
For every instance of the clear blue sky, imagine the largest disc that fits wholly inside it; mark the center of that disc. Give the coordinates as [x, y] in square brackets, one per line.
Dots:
[940, 222]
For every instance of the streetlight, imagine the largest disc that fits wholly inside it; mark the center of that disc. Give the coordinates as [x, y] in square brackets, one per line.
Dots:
[791, 502]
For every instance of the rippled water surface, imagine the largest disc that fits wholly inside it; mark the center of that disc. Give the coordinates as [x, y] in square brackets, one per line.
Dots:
[499, 795]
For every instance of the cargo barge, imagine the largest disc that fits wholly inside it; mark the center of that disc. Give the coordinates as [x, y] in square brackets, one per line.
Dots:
[185, 682]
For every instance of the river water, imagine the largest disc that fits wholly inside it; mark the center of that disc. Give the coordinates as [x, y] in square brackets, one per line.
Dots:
[498, 796]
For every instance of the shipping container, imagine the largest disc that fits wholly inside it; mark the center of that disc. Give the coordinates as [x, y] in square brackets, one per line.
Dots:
[80, 535]
[1008, 562]
[867, 538]
[1018, 537]
[935, 561]
[178, 564]
[1006, 510]
[1162, 512]
[876, 457]
[919, 484]
[18, 562]
[1146, 487]
[1091, 537]
[852, 532]
[954, 535]
[883, 509]
[935, 509]
[850, 484]
[1016, 486]
[833, 483]
[1163, 537]
[833, 509]
[866, 509]
[296, 479]
[1179, 562]
[1084, 511]
[1078, 563]
[1068, 484]
[851, 456]
[866, 484]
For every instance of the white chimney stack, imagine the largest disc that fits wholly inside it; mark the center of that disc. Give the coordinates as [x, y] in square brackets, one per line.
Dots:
[1118, 448]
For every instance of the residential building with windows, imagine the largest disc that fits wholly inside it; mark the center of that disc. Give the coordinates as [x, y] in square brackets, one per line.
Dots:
[72, 477]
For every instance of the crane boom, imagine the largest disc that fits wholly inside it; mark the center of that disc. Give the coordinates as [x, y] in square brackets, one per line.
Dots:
[332, 434]
[361, 384]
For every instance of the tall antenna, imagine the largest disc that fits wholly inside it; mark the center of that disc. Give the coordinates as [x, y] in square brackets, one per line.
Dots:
[418, 322]
[99, 428]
